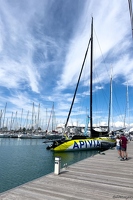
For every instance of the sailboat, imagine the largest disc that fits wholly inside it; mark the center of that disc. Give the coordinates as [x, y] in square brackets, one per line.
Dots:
[97, 140]
[53, 134]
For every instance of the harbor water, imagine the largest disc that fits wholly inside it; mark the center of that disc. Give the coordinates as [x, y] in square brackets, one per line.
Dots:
[23, 160]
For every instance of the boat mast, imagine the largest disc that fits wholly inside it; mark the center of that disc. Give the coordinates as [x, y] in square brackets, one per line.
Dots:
[53, 118]
[15, 122]
[50, 118]
[32, 128]
[38, 117]
[21, 119]
[4, 116]
[127, 110]
[110, 108]
[11, 122]
[27, 120]
[131, 14]
[91, 65]
[1, 113]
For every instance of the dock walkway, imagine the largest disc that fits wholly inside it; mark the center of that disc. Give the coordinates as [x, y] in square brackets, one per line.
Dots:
[101, 177]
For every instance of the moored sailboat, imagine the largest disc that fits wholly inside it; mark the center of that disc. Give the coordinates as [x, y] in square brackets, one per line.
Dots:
[97, 140]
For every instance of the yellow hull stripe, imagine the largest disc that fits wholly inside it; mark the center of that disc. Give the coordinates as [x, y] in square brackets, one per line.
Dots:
[83, 144]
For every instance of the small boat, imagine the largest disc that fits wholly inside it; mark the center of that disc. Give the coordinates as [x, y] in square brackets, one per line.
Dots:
[25, 136]
[36, 136]
[4, 135]
[52, 135]
[97, 140]
[13, 135]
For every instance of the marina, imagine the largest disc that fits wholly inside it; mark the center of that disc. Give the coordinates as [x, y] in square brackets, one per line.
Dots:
[66, 104]
[102, 176]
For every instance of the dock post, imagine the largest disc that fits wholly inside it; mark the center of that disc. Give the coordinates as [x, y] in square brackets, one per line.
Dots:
[57, 165]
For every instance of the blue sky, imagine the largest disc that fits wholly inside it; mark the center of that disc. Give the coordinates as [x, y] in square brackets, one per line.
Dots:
[42, 47]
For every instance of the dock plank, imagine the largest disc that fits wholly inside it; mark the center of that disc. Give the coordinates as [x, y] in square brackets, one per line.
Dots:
[102, 176]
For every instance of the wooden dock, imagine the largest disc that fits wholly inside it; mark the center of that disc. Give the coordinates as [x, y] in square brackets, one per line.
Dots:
[101, 177]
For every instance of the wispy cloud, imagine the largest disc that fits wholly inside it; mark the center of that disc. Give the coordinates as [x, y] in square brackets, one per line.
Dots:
[42, 47]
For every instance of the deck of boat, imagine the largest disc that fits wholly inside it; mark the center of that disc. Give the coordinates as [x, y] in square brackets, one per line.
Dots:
[102, 176]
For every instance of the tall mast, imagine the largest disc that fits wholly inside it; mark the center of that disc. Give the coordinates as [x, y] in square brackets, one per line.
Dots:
[21, 119]
[27, 120]
[15, 122]
[46, 120]
[128, 108]
[1, 113]
[4, 115]
[11, 121]
[50, 117]
[131, 14]
[110, 108]
[32, 128]
[91, 65]
[38, 117]
[53, 118]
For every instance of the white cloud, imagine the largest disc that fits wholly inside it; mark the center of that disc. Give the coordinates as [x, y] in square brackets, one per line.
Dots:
[111, 27]
[41, 56]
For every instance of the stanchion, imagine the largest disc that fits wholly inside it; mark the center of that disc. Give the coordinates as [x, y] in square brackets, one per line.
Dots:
[57, 165]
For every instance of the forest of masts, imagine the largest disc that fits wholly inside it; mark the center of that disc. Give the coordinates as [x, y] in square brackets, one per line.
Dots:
[27, 122]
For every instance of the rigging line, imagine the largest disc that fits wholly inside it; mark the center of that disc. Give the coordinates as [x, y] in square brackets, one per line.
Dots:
[131, 14]
[101, 85]
[105, 95]
[77, 83]
[107, 72]
[101, 53]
